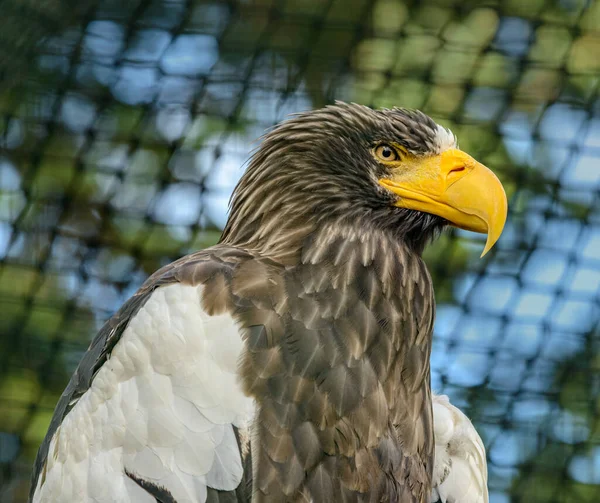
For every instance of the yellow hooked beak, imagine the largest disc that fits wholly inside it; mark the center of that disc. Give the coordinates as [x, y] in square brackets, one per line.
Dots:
[453, 186]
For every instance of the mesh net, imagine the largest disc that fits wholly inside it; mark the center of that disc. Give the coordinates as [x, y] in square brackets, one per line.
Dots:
[124, 125]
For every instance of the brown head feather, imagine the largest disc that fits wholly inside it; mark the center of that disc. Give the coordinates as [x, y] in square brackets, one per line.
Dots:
[316, 169]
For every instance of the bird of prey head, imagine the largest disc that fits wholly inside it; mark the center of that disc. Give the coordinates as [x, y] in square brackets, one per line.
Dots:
[396, 170]
[289, 362]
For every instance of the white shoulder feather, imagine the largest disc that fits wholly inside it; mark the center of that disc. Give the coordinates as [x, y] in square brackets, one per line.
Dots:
[460, 467]
[161, 408]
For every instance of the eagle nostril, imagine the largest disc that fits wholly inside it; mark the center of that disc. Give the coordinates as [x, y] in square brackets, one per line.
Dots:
[457, 169]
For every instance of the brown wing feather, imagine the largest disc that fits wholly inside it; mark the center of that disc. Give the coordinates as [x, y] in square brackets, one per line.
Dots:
[338, 361]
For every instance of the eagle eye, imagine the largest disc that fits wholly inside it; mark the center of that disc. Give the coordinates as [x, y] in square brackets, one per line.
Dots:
[386, 153]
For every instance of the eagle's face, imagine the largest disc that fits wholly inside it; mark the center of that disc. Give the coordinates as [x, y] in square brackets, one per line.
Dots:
[392, 168]
[420, 165]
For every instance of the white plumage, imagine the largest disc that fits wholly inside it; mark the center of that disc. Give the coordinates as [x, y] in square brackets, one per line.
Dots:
[161, 407]
[460, 468]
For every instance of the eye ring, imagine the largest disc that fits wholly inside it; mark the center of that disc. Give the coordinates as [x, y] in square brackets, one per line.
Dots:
[386, 153]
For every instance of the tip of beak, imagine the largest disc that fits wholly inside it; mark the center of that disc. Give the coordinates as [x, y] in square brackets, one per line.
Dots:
[488, 246]
[494, 234]
[498, 211]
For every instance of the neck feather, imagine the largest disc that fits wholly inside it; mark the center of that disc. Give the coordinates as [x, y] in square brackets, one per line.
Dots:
[287, 236]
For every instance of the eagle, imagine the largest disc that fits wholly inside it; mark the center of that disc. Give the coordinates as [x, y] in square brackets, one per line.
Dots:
[290, 361]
